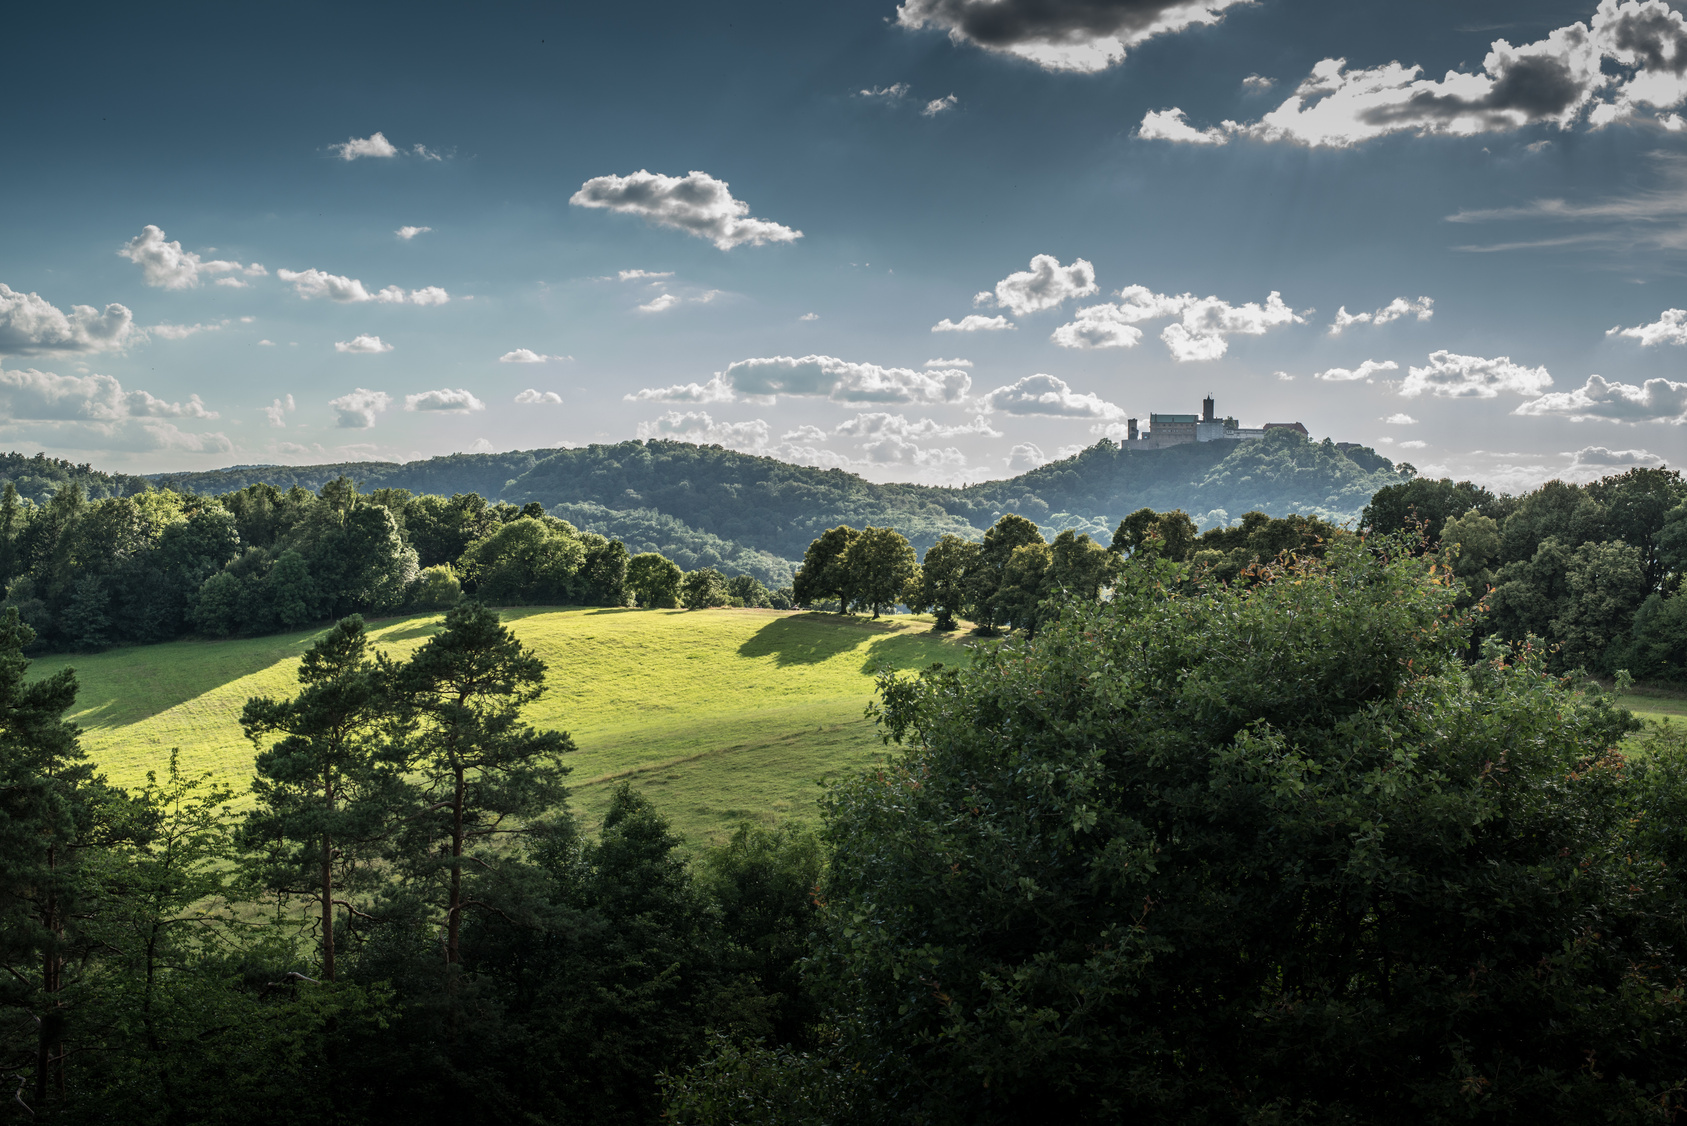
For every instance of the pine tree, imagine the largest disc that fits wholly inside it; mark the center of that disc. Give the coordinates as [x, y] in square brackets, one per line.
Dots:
[326, 788]
[49, 795]
[483, 776]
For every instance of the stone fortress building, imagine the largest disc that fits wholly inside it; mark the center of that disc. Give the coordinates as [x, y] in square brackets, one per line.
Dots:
[1176, 429]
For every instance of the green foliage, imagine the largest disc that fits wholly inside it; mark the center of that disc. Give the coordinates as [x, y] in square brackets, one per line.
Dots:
[823, 574]
[525, 561]
[764, 882]
[943, 580]
[1591, 569]
[49, 804]
[328, 787]
[654, 581]
[437, 588]
[881, 569]
[482, 776]
[761, 1085]
[700, 590]
[747, 590]
[991, 592]
[1258, 853]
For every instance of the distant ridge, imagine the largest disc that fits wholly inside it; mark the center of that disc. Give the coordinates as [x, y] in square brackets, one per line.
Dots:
[707, 505]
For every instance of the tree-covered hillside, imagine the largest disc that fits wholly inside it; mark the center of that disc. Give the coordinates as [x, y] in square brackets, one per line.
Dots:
[721, 507]
[37, 478]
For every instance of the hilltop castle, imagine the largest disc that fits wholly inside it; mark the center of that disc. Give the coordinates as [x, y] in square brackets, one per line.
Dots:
[1176, 429]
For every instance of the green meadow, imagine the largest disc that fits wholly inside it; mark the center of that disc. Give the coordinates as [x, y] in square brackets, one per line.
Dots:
[719, 716]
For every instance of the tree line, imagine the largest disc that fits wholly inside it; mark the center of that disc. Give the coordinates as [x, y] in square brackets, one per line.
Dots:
[1593, 571]
[87, 573]
[1012, 578]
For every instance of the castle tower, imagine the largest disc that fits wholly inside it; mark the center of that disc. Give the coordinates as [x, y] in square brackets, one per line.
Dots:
[1207, 409]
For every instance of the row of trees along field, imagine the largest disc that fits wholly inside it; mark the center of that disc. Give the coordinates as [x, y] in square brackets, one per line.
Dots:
[1594, 570]
[1012, 578]
[1268, 849]
[158, 564]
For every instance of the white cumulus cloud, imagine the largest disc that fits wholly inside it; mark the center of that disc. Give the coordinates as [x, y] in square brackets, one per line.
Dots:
[1364, 371]
[1400, 418]
[375, 145]
[1169, 125]
[1201, 332]
[47, 396]
[1452, 376]
[1656, 400]
[1669, 328]
[1074, 35]
[809, 317]
[1049, 395]
[1204, 331]
[313, 283]
[31, 325]
[408, 233]
[942, 363]
[639, 275]
[878, 424]
[529, 356]
[974, 322]
[357, 409]
[1025, 457]
[1423, 308]
[659, 304]
[276, 412]
[1598, 457]
[843, 381]
[165, 265]
[1098, 326]
[1628, 60]
[699, 427]
[530, 397]
[696, 203]
[939, 105]
[363, 345]
[1045, 285]
[447, 400]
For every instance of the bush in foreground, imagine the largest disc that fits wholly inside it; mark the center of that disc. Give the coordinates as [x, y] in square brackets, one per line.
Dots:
[1256, 855]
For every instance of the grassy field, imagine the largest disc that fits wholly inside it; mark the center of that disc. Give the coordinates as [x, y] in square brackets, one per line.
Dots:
[1655, 704]
[717, 715]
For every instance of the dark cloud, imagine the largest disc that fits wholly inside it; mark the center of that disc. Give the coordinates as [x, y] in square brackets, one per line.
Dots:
[1538, 87]
[1646, 33]
[1060, 34]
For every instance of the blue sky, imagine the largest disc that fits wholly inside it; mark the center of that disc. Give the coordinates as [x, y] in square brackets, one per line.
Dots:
[742, 223]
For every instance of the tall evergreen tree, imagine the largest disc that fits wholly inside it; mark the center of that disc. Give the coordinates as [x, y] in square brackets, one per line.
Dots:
[327, 784]
[483, 775]
[49, 795]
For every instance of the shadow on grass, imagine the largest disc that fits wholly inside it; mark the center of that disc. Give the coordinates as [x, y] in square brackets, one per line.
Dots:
[809, 639]
[913, 651]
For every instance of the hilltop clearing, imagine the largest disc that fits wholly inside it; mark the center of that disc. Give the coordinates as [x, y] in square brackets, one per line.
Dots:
[717, 715]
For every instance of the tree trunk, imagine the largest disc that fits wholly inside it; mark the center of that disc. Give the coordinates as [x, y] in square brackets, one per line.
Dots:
[48, 1029]
[453, 917]
[328, 883]
[327, 907]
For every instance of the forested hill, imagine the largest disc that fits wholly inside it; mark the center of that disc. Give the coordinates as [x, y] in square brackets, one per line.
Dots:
[706, 505]
[39, 477]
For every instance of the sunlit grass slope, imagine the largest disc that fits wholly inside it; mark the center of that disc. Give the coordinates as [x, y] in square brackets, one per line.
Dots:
[717, 715]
